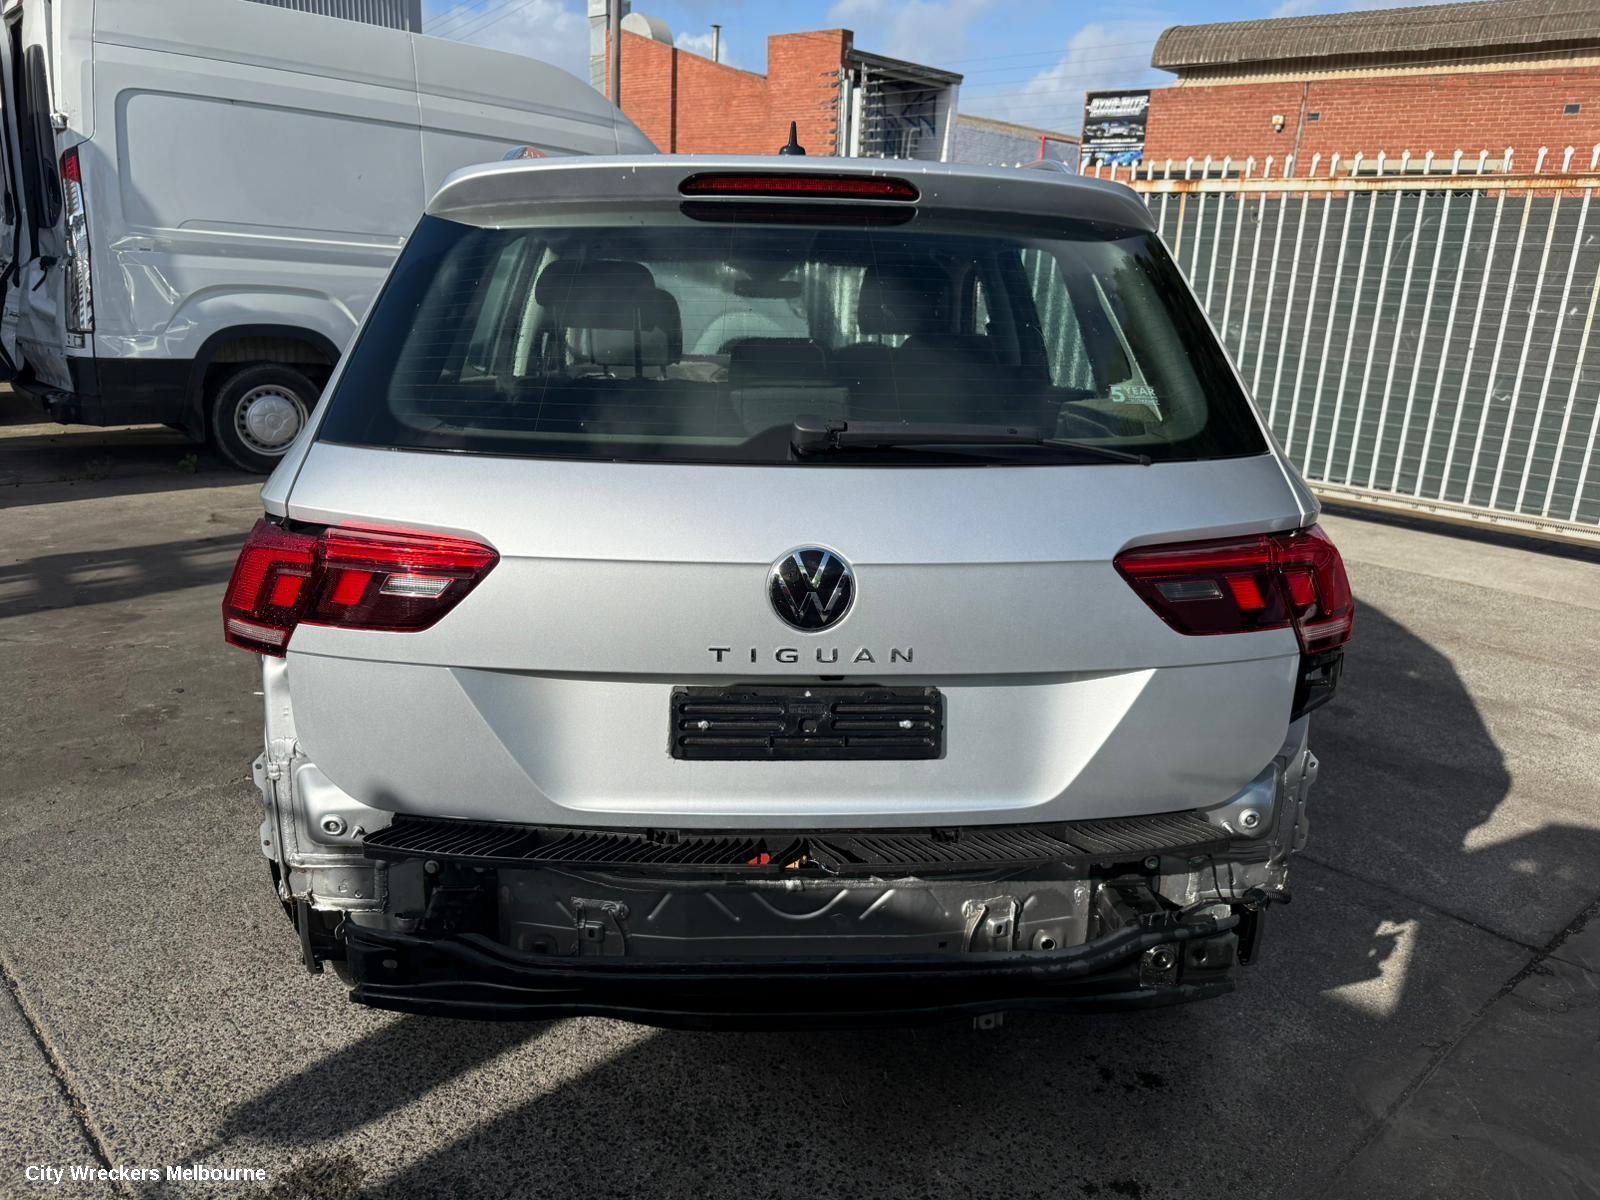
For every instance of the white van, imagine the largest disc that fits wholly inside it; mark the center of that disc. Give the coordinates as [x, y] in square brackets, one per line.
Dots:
[202, 197]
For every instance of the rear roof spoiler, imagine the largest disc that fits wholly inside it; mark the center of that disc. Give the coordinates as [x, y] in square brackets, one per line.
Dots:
[509, 192]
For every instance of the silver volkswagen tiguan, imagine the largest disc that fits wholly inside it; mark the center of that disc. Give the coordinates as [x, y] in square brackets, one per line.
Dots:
[764, 591]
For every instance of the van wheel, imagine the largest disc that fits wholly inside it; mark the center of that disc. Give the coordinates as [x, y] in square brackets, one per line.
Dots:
[257, 411]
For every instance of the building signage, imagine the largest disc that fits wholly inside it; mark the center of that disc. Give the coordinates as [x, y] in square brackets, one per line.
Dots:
[1113, 128]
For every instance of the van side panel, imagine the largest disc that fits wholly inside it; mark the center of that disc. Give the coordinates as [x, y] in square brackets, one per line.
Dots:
[346, 52]
[173, 185]
[477, 104]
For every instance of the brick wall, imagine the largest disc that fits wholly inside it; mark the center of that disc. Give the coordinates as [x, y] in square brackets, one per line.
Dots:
[688, 104]
[1470, 111]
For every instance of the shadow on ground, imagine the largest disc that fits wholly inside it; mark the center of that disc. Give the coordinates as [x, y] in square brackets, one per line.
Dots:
[1267, 1092]
[115, 574]
[72, 458]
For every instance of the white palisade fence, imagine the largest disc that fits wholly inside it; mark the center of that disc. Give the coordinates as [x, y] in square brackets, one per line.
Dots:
[1418, 331]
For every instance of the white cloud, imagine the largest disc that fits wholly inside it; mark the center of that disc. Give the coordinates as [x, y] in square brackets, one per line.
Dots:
[700, 43]
[1097, 58]
[549, 30]
[930, 32]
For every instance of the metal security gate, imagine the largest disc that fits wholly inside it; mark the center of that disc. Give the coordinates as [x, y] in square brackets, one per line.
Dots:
[1419, 332]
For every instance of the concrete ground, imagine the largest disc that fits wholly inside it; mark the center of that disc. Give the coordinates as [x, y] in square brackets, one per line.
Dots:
[1425, 1020]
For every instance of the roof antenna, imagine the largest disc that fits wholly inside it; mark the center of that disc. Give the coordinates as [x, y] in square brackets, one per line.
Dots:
[794, 146]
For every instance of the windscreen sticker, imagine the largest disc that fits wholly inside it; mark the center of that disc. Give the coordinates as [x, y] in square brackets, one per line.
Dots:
[1137, 393]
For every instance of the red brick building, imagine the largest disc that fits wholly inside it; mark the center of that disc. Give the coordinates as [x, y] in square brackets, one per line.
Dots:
[843, 101]
[1488, 75]
[687, 104]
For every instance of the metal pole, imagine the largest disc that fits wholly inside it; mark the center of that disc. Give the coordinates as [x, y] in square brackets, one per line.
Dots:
[1472, 341]
[1394, 338]
[614, 38]
[1349, 341]
[1500, 339]
[1327, 326]
[1422, 333]
[1272, 283]
[1311, 303]
[1216, 239]
[1385, 266]
[1199, 226]
[1555, 339]
[716, 48]
[1250, 276]
[1288, 296]
[1161, 221]
[1233, 258]
[1527, 344]
[1177, 234]
[1449, 328]
[1577, 373]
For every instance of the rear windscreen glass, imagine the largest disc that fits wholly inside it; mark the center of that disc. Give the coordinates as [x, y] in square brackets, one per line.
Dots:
[669, 338]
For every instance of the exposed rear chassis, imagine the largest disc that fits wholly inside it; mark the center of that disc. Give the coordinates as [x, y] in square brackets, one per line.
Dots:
[496, 922]
[470, 975]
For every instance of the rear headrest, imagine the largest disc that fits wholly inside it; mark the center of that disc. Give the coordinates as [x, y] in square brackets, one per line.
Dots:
[671, 320]
[616, 348]
[659, 340]
[601, 293]
[904, 298]
[770, 361]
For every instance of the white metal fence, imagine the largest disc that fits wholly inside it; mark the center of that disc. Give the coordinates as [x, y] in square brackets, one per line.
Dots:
[1418, 331]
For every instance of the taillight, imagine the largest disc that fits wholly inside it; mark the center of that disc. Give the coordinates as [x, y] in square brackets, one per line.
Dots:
[816, 187]
[80, 287]
[398, 580]
[1241, 585]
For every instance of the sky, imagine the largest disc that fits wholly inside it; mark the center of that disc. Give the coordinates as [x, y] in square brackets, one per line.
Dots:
[1025, 63]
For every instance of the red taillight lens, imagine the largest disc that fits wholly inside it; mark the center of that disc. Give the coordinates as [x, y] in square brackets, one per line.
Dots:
[389, 579]
[1319, 590]
[267, 592]
[1241, 585]
[820, 187]
[395, 579]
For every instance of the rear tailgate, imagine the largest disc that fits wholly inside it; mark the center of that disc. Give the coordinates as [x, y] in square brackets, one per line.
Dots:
[545, 695]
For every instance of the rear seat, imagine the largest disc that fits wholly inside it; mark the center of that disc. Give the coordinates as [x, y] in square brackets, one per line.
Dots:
[773, 380]
[936, 375]
[623, 333]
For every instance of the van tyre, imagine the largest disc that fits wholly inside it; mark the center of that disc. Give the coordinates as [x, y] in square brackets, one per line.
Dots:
[255, 413]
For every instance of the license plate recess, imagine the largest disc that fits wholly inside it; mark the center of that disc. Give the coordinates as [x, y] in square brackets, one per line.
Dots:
[786, 723]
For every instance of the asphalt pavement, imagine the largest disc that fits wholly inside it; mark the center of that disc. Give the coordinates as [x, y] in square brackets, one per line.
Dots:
[1424, 1021]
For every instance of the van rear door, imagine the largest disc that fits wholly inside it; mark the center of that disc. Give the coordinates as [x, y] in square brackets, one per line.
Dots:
[10, 224]
[37, 323]
[12, 233]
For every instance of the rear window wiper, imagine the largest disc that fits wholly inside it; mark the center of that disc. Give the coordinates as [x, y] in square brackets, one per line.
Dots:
[813, 435]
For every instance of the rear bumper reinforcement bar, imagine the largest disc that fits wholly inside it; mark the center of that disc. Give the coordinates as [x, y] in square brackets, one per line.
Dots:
[832, 852]
[468, 975]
